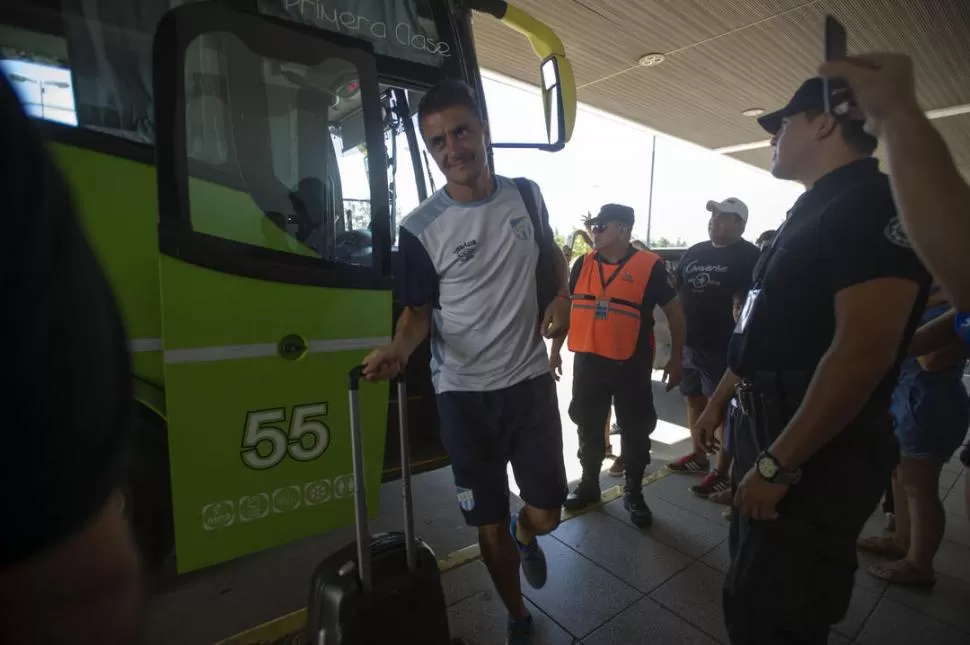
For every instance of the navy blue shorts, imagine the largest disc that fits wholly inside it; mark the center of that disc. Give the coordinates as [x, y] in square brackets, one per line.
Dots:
[485, 431]
[703, 370]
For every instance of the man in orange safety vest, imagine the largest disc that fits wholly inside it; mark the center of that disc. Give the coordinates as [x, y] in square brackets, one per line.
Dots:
[614, 290]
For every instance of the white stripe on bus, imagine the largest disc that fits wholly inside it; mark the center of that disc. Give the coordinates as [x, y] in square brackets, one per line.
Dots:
[145, 345]
[256, 350]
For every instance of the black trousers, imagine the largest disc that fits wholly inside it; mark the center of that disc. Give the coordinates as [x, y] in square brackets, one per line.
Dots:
[598, 383]
[792, 578]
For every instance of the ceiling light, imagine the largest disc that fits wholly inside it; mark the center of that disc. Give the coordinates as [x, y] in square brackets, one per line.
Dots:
[651, 60]
[753, 112]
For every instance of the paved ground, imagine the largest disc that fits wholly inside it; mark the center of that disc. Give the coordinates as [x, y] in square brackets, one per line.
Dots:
[608, 583]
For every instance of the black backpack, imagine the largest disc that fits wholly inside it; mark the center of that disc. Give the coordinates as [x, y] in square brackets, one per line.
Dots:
[547, 284]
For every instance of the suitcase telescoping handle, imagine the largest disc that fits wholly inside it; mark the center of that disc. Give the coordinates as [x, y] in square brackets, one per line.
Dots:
[360, 493]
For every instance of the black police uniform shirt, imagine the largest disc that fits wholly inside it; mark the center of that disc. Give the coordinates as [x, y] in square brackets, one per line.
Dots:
[67, 395]
[843, 232]
[708, 277]
[658, 292]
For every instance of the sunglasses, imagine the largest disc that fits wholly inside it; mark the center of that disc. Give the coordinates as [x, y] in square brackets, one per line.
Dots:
[598, 228]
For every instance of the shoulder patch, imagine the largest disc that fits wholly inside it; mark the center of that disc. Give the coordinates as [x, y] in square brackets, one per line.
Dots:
[896, 234]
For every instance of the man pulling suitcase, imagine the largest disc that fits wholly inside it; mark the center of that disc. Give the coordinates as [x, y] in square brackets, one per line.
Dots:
[463, 256]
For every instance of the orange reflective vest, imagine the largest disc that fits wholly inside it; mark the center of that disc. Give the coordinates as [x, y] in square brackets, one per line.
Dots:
[605, 314]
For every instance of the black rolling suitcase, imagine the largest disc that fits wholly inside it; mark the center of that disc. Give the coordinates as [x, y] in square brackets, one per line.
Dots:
[383, 589]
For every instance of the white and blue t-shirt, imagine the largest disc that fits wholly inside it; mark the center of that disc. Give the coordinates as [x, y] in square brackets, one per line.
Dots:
[475, 264]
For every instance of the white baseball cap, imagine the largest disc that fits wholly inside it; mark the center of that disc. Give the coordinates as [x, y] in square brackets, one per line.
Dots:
[730, 205]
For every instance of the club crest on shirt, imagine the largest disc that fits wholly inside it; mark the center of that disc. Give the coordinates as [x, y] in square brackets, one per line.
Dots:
[520, 227]
[895, 233]
[466, 250]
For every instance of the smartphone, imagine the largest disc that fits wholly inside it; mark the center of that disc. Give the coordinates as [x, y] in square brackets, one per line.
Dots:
[835, 49]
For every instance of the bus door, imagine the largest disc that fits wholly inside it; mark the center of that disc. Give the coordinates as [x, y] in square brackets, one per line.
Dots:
[274, 272]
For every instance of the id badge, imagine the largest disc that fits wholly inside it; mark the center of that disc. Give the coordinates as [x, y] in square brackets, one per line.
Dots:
[749, 304]
[602, 309]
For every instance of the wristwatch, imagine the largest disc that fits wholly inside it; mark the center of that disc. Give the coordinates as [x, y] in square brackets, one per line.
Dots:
[770, 470]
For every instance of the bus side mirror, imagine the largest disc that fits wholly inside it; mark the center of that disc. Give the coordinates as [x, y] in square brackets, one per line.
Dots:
[557, 88]
[560, 112]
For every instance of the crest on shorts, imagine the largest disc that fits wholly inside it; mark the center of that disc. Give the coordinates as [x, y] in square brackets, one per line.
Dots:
[466, 499]
[895, 233]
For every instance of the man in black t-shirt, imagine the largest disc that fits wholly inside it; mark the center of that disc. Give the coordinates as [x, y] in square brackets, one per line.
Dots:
[708, 276]
[68, 566]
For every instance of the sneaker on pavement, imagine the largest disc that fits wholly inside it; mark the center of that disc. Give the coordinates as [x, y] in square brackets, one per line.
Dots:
[640, 513]
[520, 631]
[617, 468]
[692, 464]
[724, 497]
[532, 558]
[714, 482]
[586, 492]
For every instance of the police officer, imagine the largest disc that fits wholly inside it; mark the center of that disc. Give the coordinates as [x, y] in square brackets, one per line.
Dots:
[815, 357]
[614, 290]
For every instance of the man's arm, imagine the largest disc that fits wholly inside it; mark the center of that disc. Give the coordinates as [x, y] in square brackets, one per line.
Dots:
[417, 291]
[558, 258]
[660, 292]
[412, 328]
[557, 343]
[933, 199]
[677, 325]
[870, 319]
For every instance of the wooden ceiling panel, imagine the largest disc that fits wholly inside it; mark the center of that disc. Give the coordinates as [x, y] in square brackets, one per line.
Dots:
[725, 56]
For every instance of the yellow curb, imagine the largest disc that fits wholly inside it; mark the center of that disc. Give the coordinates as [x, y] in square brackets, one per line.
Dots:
[270, 633]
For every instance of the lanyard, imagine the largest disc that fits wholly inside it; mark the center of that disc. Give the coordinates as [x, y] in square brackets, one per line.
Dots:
[762, 267]
[605, 282]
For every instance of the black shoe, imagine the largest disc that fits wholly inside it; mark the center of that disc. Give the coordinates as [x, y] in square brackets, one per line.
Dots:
[586, 493]
[640, 513]
[520, 632]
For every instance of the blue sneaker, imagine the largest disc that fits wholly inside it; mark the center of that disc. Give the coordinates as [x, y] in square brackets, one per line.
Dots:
[520, 632]
[532, 557]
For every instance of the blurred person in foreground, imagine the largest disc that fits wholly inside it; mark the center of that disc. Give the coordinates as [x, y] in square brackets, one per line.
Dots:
[69, 570]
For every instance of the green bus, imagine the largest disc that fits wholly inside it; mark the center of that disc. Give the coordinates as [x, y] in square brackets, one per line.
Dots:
[240, 168]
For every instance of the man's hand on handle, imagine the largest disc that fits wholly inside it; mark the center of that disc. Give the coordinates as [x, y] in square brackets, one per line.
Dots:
[384, 363]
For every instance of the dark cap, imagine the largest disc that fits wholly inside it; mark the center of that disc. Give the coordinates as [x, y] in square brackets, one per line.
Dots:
[810, 96]
[613, 213]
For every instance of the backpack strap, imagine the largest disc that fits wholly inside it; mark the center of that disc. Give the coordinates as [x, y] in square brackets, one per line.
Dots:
[546, 283]
[529, 197]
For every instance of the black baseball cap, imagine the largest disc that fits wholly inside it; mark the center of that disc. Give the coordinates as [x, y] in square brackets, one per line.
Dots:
[613, 213]
[810, 96]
